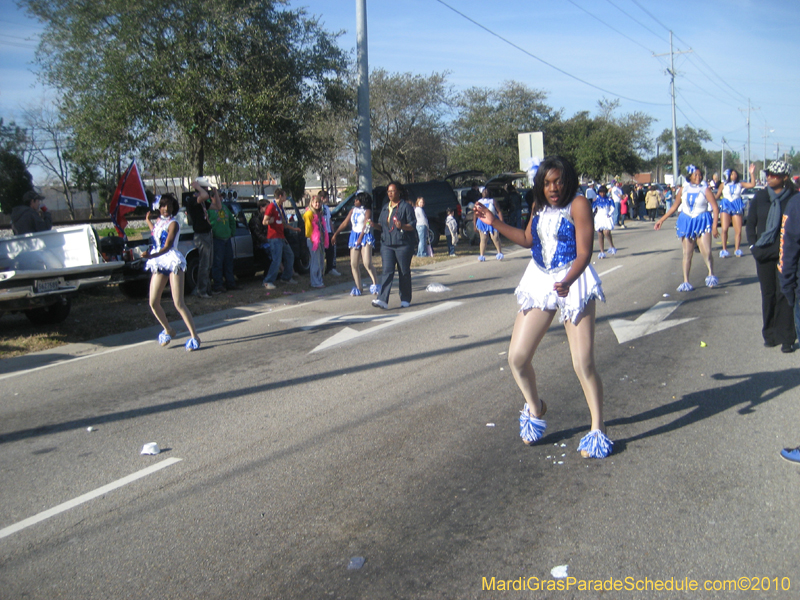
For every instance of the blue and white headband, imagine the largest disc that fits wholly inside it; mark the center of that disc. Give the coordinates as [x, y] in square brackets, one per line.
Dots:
[691, 169]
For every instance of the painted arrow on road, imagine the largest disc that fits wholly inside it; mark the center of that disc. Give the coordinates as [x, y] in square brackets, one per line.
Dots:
[650, 322]
[389, 320]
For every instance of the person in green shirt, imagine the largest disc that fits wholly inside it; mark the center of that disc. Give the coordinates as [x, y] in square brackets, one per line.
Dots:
[223, 227]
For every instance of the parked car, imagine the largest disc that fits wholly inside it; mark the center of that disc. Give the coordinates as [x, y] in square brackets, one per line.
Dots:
[39, 272]
[134, 281]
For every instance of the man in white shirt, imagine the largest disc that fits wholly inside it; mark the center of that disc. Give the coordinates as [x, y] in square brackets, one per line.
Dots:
[616, 196]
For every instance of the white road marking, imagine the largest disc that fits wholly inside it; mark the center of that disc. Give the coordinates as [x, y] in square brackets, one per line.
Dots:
[348, 333]
[612, 269]
[647, 323]
[86, 497]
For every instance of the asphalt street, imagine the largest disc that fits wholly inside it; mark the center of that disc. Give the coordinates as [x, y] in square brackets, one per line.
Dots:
[314, 430]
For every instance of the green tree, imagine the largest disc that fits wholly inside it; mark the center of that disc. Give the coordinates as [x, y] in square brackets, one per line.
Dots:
[605, 145]
[485, 130]
[407, 125]
[221, 72]
[690, 147]
[15, 180]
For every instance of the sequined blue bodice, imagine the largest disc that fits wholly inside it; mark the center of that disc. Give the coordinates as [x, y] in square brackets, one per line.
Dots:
[553, 238]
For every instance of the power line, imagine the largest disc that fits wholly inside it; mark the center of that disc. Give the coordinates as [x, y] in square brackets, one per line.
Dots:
[637, 21]
[541, 60]
[611, 27]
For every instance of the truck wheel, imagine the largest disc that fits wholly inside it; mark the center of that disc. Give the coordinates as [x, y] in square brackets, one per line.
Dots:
[192, 271]
[433, 234]
[50, 315]
[302, 263]
[138, 288]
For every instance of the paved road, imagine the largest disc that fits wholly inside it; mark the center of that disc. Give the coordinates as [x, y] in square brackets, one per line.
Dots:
[309, 433]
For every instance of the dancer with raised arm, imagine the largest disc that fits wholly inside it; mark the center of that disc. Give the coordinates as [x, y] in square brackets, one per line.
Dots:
[559, 277]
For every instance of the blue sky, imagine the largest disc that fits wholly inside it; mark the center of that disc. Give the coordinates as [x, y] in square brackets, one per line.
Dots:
[742, 49]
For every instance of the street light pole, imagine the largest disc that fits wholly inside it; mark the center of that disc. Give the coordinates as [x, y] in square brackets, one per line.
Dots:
[364, 156]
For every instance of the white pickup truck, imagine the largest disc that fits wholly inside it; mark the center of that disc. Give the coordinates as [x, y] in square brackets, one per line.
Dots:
[38, 271]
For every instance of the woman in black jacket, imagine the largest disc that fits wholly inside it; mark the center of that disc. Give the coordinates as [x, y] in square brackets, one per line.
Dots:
[397, 224]
[763, 233]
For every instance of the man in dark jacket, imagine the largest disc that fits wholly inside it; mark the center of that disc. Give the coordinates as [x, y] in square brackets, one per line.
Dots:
[31, 216]
[763, 233]
[789, 267]
[197, 208]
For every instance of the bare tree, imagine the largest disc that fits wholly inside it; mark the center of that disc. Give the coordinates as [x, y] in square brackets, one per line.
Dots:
[50, 142]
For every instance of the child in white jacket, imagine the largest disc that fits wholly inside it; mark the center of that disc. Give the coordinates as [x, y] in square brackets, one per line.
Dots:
[451, 232]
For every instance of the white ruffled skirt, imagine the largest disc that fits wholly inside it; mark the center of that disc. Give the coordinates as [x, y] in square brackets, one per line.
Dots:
[171, 262]
[535, 290]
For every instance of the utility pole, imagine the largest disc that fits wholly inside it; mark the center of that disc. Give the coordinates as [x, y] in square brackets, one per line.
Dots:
[671, 72]
[364, 157]
[747, 164]
[722, 159]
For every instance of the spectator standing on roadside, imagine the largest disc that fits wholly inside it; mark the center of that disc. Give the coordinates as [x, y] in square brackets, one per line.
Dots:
[279, 249]
[652, 199]
[640, 203]
[451, 232]
[223, 227]
[260, 232]
[330, 251]
[763, 233]
[31, 216]
[616, 195]
[397, 226]
[317, 239]
[789, 268]
[203, 237]
[422, 227]
[624, 210]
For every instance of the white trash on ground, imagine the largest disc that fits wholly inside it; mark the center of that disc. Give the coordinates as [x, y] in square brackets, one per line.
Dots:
[355, 563]
[437, 288]
[559, 572]
[150, 449]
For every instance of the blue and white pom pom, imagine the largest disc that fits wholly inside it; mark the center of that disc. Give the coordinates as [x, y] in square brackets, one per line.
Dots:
[375, 289]
[355, 292]
[686, 287]
[531, 429]
[712, 281]
[192, 344]
[164, 338]
[533, 167]
[596, 444]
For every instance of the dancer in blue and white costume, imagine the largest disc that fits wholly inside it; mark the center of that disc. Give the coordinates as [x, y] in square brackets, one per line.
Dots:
[559, 277]
[361, 241]
[695, 224]
[166, 263]
[731, 209]
[485, 230]
[604, 211]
